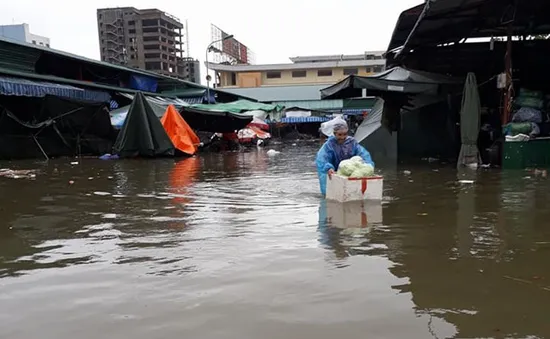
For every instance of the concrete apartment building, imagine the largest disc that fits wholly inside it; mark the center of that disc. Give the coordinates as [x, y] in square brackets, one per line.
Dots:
[306, 70]
[148, 39]
[22, 33]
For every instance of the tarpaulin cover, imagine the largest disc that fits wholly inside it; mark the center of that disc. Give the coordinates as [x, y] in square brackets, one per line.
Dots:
[39, 89]
[118, 116]
[238, 106]
[214, 121]
[371, 122]
[182, 136]
[470, 123]
[257, 122]
[143, 83]
[142, 133]
[159, 103]
[397, 79]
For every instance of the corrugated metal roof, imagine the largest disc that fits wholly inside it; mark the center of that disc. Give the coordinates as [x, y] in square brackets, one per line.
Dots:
[29, 88]
[82, 84]
[21, 56]
[280, 93]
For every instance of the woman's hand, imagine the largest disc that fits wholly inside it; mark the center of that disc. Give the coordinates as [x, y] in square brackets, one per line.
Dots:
[330, 173]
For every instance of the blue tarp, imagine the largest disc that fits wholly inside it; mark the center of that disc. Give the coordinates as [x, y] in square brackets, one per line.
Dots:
[354, 111]
[299, 120]
[143, 83]
[303, 120]
[38, 89]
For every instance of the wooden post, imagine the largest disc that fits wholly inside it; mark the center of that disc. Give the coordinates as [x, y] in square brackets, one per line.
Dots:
[509, 84]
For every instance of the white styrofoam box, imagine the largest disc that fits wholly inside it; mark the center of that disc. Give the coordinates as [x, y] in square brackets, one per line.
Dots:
[344, 189]
[354, 214]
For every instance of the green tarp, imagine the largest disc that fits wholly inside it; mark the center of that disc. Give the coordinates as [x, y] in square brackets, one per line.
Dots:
[239, 106]
[142, 133]
[469, 123]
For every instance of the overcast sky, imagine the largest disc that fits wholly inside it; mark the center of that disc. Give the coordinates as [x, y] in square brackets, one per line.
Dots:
[273, 30]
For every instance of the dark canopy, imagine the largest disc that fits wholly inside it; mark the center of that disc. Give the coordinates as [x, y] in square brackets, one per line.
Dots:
[446, 21]
[397, 79]
[215, 121]
[52, 126]
[142, 133]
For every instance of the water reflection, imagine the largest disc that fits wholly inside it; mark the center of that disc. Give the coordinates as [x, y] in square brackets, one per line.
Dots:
[240, 245]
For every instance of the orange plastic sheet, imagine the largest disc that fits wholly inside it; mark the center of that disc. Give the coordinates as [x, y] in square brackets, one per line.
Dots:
[182, 136]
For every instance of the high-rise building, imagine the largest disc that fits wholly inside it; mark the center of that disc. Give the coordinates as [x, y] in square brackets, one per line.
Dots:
[22, 33]
[148, 39]
[191, 69]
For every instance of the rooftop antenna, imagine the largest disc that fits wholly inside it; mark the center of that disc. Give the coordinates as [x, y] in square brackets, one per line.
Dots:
[187, 37]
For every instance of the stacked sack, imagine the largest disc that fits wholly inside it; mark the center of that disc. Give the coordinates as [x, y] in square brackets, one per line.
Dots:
[528, 115]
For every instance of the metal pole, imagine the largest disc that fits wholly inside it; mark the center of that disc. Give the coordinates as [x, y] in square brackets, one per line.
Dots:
[207, 77]
[207, 69]
[509, 80]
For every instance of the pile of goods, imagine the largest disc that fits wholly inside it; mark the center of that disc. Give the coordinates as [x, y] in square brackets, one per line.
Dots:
[528, 114]
[355, 168]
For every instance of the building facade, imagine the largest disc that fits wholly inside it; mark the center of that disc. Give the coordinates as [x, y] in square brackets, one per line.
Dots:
[148, 39]
[307, 70]
[191, 69]
[22, 33]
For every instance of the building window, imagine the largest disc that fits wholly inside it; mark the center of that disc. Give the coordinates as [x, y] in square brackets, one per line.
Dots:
[351, 71]
[132, 31]
[299, 74]
[47, 45]
[34, 42]
[233, 81]
[153, 66]
[273, 75]
[324, 73]
[131, 22]
[377, 69]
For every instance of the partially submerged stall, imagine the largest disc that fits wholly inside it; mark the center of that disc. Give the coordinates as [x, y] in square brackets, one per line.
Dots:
[505, 44]
[43, 119]
[421, 108]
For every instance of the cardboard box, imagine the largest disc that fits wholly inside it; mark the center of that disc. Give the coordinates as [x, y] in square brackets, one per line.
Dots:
[344, 189]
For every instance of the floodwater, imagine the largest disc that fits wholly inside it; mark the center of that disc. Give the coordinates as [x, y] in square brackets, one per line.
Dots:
[240, 245]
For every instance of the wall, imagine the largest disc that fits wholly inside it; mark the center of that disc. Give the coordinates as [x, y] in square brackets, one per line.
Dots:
[257, 79]
[15, 32]
[21, 33]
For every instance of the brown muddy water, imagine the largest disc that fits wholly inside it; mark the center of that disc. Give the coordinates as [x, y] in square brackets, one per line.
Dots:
[240, 245]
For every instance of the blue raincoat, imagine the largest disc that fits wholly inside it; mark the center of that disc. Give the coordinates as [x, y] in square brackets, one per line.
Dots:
[332, 153]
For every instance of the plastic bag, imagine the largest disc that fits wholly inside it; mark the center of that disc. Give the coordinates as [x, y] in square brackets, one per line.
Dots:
[529, 102]
[527, 114]
[327, 128]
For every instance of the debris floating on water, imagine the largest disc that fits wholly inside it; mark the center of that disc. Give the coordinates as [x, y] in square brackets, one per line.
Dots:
[466, 182]
[272, 152]
[17, 174]
[102, 193]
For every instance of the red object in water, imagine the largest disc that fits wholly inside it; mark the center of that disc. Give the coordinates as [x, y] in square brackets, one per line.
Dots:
[230, 136]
